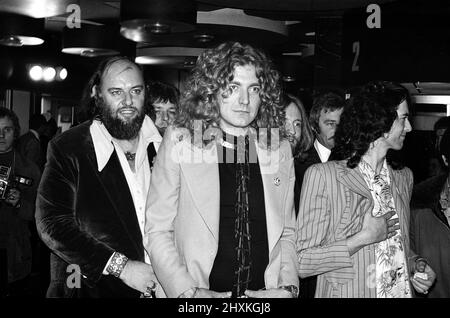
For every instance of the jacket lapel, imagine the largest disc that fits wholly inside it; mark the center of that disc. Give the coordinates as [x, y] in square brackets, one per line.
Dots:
[275, 178]
[115, 187]
[202, 179]
[397, 187]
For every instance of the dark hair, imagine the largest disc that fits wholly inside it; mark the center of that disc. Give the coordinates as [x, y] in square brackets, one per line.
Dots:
[89, 108]
[329, 102]
[37, 121]
[442, 123]
[159, 92]
[367, 115]
[5, 112]
[211, 75]
[306, 137]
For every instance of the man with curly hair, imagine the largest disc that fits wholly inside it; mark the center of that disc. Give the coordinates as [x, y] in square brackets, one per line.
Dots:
[353, 222]
[220, 210]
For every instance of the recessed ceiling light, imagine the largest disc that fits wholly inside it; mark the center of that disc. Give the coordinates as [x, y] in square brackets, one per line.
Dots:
[204, 38]
[288, 78]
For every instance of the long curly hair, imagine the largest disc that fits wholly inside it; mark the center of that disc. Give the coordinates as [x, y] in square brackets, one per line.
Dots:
[210, 77]
[367, 115]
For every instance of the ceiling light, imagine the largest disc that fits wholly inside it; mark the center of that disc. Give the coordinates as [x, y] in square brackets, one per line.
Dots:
[49, 74]
[175, 56]
[142, 19]
[94, 41]
[204, 38]
[19, 30]
[288, 78]
[35, 73]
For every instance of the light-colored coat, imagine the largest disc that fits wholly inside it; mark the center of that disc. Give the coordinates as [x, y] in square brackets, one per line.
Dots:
[334, 200]
[183, 211]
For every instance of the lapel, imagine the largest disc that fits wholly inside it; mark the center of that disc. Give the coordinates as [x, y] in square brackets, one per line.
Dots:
[115, 187]
[275, 178]
[202, 178]
[352, 179]
[397, 185]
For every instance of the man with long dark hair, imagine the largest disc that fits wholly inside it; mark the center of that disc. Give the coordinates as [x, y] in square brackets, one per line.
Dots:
[220, 208]
[353, 222]
[91, 201]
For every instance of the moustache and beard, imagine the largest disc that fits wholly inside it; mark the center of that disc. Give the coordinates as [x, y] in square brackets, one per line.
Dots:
[120, 128]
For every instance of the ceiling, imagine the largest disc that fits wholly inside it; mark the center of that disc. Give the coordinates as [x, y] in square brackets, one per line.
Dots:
[313, 44]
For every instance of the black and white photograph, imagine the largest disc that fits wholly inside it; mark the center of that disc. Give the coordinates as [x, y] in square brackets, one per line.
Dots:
[251, 151]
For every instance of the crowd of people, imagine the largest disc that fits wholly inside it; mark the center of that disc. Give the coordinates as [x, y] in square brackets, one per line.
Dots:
[227, 189]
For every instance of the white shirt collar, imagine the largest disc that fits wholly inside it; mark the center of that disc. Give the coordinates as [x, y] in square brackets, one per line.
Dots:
[103, 142]
[324, 152]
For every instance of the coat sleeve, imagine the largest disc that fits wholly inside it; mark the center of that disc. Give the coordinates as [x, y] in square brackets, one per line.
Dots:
[161, 211]
[56, 218]
[315, 254]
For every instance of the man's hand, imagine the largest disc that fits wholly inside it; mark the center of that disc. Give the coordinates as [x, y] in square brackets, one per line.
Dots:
[269, 293]
[378, 228]
[138, 275]
[422, 285]
[13, 197]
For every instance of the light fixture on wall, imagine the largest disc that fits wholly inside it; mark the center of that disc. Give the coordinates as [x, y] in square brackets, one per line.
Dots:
[47, 73]
[92, 40]
[143, 19]
[19, 30]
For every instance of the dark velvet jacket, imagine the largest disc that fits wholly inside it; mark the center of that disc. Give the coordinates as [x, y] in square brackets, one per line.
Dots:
[84, 215]
[430, 233]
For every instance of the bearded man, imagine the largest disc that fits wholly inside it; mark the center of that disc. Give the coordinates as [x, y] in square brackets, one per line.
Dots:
[91, 201]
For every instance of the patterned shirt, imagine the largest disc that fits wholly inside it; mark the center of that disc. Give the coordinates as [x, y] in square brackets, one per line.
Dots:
[392, 277]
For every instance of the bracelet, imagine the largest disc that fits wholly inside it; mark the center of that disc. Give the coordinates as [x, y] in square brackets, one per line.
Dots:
[292, 289]
[117, 264]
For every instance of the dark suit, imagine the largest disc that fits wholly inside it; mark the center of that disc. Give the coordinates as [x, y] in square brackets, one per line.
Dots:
[84, 215]
[29, 146]
[430, 233]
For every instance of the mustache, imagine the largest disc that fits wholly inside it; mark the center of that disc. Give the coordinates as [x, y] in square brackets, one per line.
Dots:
[127, 107]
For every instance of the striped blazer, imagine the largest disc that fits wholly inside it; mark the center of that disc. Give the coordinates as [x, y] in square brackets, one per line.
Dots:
[333, 202]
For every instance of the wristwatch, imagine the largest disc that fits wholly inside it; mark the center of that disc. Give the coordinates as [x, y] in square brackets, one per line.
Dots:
[292, 289]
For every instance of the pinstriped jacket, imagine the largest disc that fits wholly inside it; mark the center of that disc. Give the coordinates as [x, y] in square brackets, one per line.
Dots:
[333, 202]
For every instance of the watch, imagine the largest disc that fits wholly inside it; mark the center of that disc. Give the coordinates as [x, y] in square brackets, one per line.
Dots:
[292, 289]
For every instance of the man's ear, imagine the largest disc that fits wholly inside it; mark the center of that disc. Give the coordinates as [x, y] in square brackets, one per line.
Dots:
[445, 160]
[94, 91]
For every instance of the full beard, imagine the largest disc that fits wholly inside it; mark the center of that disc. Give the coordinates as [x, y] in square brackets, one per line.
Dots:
[119, 128]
